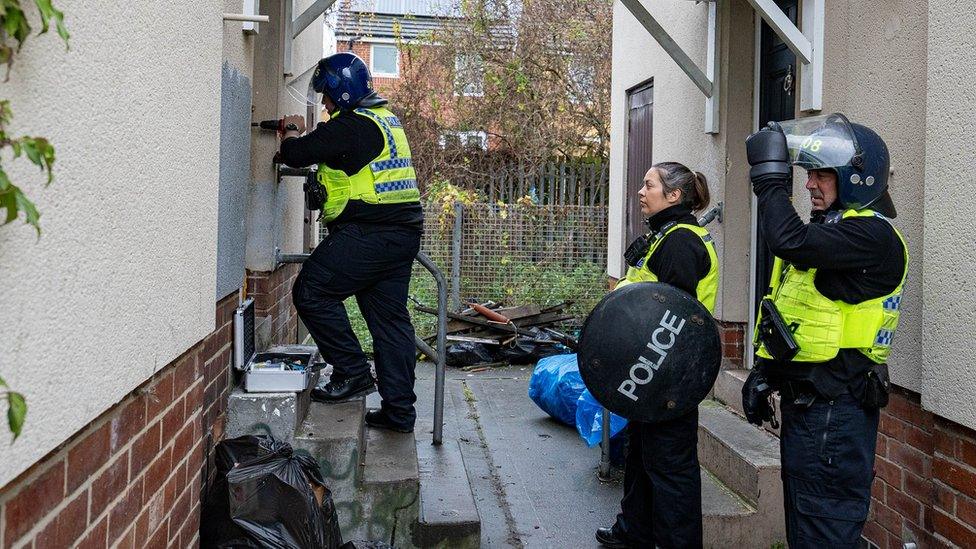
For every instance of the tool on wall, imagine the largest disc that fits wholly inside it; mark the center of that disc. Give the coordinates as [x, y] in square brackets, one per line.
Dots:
[315, 195]
[273, 125]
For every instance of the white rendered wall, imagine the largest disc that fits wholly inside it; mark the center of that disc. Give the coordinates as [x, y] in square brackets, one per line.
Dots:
[123, 279]
[875, 59]
[949, 271]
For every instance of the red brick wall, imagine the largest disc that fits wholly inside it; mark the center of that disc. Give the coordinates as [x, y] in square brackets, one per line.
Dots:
[272, 297]
[925, 488]
[134, 475]
[733, 343]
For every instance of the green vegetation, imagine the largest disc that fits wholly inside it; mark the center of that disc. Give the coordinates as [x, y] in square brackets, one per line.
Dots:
[14, 31]
[519, 283]
[16, 409]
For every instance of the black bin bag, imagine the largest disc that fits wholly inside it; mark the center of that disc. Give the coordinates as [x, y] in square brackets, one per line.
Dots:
[265, 495]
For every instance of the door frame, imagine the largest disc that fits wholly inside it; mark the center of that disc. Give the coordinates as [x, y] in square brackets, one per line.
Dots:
[753, 201]
[748, 346]
[624, 241]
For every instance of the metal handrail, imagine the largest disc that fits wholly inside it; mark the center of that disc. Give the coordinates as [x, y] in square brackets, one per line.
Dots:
[439, 356]
[441, 359]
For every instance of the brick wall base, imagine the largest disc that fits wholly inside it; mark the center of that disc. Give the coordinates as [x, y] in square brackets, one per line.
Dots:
[925, 485]
[134, 477]
[733, 343]
[272, 303]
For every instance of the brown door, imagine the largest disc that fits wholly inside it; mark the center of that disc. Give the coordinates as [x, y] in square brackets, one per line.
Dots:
[640, 131]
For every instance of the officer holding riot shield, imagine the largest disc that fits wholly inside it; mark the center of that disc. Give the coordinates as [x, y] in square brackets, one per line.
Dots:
[662, 485]
[371, 205]
[826, 324]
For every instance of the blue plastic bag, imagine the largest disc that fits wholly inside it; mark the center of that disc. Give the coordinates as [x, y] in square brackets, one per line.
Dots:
[556, 385]
[589, 421]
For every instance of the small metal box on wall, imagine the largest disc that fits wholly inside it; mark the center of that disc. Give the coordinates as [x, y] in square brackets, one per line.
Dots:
[266, 372]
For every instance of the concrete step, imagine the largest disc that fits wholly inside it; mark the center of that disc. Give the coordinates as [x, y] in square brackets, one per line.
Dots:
[725, 516]
[333, 435]
[728, 390]
[386, 506]
[276, 414]
[746, 460]
[448, 515]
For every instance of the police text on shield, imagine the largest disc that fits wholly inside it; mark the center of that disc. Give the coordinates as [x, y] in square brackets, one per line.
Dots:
[662, 339]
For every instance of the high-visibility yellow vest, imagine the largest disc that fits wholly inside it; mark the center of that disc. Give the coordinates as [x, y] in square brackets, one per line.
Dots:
[707, 288]
[822, 327]
[387, 179]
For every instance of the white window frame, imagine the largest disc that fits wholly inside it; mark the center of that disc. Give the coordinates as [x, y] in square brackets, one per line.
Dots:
[464, 136]
[372, 61]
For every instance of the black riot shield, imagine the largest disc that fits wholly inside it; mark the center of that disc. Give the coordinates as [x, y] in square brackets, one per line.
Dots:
[649, 352]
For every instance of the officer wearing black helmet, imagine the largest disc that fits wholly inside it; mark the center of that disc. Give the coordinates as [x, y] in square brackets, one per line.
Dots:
[375, 221]
[826, 324]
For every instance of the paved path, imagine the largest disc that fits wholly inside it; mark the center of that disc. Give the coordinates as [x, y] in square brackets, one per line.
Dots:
[534, 480]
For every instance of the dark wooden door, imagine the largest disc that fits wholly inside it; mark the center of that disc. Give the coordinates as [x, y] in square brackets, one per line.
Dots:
[777, 102]
[640, 134]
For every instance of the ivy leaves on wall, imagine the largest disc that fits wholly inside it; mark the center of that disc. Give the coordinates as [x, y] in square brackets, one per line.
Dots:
[15, 28]
[16, 409]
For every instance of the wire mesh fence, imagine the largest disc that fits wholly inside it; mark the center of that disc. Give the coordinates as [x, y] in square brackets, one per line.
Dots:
[558, 182]
[509, 253]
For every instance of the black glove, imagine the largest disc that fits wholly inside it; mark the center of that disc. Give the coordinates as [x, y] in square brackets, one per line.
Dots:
[755, 399]
[768, 156]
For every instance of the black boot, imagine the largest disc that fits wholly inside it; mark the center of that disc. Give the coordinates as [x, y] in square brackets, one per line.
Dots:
[609, 538]
[379, 419]
[344, 389]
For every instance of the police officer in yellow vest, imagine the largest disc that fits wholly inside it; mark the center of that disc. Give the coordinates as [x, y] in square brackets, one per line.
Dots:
[661, 506]
[826, 325]
[375, 221]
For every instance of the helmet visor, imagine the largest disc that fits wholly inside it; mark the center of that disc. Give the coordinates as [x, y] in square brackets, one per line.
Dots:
[312, 97]
[821, 142]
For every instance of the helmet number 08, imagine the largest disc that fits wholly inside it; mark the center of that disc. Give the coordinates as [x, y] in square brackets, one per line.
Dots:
[812, 144]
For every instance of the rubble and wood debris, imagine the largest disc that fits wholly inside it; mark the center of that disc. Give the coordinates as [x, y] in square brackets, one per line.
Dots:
[488, 334]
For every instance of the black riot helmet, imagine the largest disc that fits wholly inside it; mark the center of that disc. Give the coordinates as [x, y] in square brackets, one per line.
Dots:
[854, 152]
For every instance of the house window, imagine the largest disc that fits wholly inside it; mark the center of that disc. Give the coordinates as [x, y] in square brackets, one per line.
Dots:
[469, 75]
[385, 60]
[466, 139]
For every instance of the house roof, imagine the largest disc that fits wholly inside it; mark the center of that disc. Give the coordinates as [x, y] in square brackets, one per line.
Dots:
[384, 25]
[404, 19]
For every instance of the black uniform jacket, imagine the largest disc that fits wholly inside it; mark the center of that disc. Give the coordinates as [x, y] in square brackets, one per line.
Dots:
[681, 260]
[857, 259]
[349, 142]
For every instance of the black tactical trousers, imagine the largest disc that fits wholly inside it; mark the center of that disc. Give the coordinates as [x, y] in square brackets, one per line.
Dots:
[662, 485]
[373, 263]
[827, 451]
